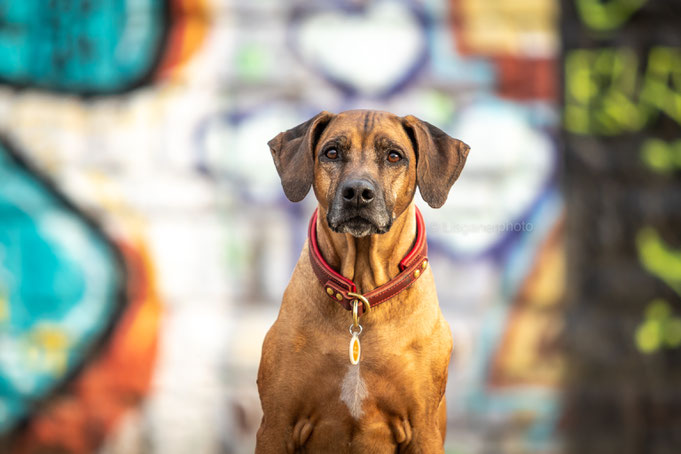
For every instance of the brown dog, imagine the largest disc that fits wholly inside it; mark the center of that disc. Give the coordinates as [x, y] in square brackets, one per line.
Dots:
[366, 238]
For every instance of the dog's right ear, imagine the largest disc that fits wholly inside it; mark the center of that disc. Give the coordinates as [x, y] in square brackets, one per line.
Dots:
[293, 154]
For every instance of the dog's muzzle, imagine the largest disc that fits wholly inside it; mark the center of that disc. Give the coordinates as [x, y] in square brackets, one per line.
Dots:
[359, 209]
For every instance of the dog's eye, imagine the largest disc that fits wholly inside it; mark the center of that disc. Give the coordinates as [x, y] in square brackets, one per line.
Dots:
[331, 153]
[394, 156]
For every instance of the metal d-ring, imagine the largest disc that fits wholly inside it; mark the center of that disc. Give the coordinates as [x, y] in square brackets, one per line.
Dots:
[365, 302]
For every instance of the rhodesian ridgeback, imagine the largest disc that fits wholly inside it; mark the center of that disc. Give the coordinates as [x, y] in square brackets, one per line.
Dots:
[357, 359]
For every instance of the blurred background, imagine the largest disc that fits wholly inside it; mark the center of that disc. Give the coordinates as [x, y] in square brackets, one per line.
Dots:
[145, 241]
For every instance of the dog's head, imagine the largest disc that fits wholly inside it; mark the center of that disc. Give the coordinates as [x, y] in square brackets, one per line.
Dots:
[365, 165]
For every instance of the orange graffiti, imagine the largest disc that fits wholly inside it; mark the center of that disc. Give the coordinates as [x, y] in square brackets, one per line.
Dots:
[188, 29]
[529, 353]
[78, 418]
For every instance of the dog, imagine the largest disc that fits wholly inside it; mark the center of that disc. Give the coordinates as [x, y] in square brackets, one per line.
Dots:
[379, 385]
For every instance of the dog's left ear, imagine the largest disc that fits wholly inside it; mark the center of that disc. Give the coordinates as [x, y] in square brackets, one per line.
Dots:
[293, 154]
[439, 159]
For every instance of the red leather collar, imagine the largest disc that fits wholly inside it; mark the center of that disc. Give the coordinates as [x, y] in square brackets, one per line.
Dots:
[337, 287]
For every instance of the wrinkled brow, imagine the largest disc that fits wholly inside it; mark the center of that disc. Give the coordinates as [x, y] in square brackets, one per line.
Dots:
[384, 142]
[340, 141]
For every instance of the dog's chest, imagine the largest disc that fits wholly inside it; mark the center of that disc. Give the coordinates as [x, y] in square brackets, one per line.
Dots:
[383, 378]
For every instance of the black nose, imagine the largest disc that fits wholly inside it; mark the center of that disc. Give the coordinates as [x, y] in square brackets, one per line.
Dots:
[358, 192]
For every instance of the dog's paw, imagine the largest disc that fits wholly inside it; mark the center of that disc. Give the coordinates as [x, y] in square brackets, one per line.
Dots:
[401, 430]
[301, 432]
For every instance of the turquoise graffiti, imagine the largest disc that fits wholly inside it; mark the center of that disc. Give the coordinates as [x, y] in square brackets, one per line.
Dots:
[61, 287]
[81, 46]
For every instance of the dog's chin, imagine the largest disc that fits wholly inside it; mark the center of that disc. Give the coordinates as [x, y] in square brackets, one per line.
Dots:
[358, 227]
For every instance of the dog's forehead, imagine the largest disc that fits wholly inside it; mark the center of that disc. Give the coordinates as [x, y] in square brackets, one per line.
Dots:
[361, 124]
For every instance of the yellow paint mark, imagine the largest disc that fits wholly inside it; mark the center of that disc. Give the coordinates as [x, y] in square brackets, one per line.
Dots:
[52, 339]
[47, 348]
[4, 307]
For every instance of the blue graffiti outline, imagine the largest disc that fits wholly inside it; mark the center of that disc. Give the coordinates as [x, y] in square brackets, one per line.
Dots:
[300, 12]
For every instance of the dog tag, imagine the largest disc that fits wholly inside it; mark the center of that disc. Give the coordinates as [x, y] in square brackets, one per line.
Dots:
[355, 349]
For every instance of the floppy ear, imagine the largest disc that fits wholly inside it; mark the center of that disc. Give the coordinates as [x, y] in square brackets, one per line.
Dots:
[439, 159]
[293, 152]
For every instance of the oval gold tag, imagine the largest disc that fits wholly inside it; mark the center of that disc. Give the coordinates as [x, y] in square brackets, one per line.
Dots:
[355, 349]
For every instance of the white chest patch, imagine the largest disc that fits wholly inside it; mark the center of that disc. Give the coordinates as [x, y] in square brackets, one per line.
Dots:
[353, 391]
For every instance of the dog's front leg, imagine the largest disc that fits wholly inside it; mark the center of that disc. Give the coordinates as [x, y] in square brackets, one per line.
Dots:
[268, 441]
[424, 442]
[442, 418]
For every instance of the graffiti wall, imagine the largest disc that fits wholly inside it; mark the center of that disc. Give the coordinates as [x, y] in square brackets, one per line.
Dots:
[145, 241]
